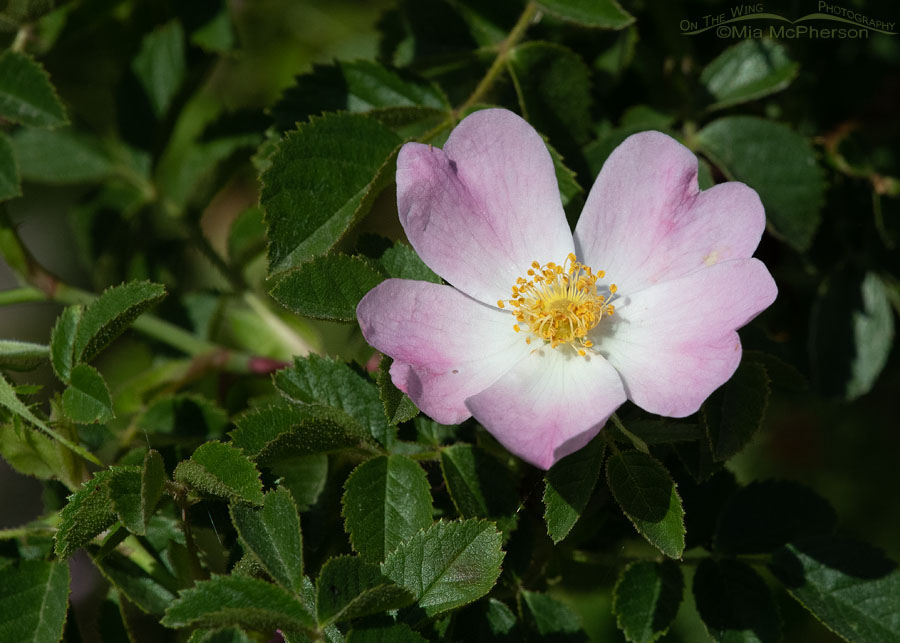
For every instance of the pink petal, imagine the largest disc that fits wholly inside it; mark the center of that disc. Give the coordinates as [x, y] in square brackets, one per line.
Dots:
[446, 346]
[675, 343]
[482, 209]
[550, 404]
[645, 222]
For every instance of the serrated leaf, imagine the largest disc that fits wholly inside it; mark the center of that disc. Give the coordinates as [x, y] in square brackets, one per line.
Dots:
[153, 479]
[89, 511]
[386, 500]
[30, 452]
[604, 14]
[479, 485]
[11, 402]
[735, 603]
[394, 633]
[34, 598]
[125, 494]
[554, 89]
[238, 601]
[10, 183]
[272, 534]
[355, 86]
[664, 431]
[851, 334]
[776, 162]
[746, 71]
[644, 489]
[160, 65]
[60, 157]
[21, 356]
[86, 400]
[62, 342]
[303, 476]
[185, 414]
[569, 188]
[398, 407]
[327, 287]
[320, 380]
[323, 178]
[111, 313]
[551, 619]
[150, 593]
[227, 635]
[646, 599]
[348, 588]
[220, 469]
[400, 261]
[851, 587]
[26, 95]
[448, 565]
[764, 515]
[568, 486]
[734, 412]
[272, 433]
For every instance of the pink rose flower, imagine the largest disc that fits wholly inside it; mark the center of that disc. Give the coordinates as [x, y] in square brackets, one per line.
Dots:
[542, 334]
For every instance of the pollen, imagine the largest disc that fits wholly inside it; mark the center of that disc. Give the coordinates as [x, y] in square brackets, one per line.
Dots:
[559, 304]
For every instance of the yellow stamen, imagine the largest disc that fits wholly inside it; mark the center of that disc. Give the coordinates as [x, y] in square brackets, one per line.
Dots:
[560, 304]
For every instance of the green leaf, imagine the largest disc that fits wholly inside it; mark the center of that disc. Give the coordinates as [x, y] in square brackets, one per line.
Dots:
[320, 182]
[394, 633]
[277, 432]
[776, 162]
[646, 599]
[401, 262]
[30, 452]
[851, 334]
[34, 599]
[10, 183]
[320, 380]
[735, 603]
[185, 414]
[222, 470]
[26, 95]
[160, 65]
[764, 515]
[664, 431]
[87, 400]
[645, 491]
[246, 236]
[569, 187]
[851, 587]
[605, 14]
[303, 476]
[125, 494]
[327, 287]
[150, 593]
[229, 635]
[356, 86]
[554, 90]
[568, 486]
[748, 70]
[60, 157]
[62, 342]
[386, 501]
[11, 402]
[398, 407]
[272, 534]
[111, 313]
[734, 412]
[89, 511]
[153, 480]
[551, 619]
[217, 34]
[448, 565]
[349, 588]
[21, 356]
[479, 485]
[238, 601]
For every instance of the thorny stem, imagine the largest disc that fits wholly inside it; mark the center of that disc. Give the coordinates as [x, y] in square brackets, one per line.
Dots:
[496, 68]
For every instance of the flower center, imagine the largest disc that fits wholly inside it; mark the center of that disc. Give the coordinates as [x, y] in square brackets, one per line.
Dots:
[559, 304]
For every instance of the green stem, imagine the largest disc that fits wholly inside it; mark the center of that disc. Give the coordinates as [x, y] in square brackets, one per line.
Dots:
[21, 296]
[496, 68]
[639, 444]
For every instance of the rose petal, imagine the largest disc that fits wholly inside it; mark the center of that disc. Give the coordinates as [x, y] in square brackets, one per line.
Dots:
[675, 343]
[482, 209]
[550, 404]
[446, 346]
[645, 222]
